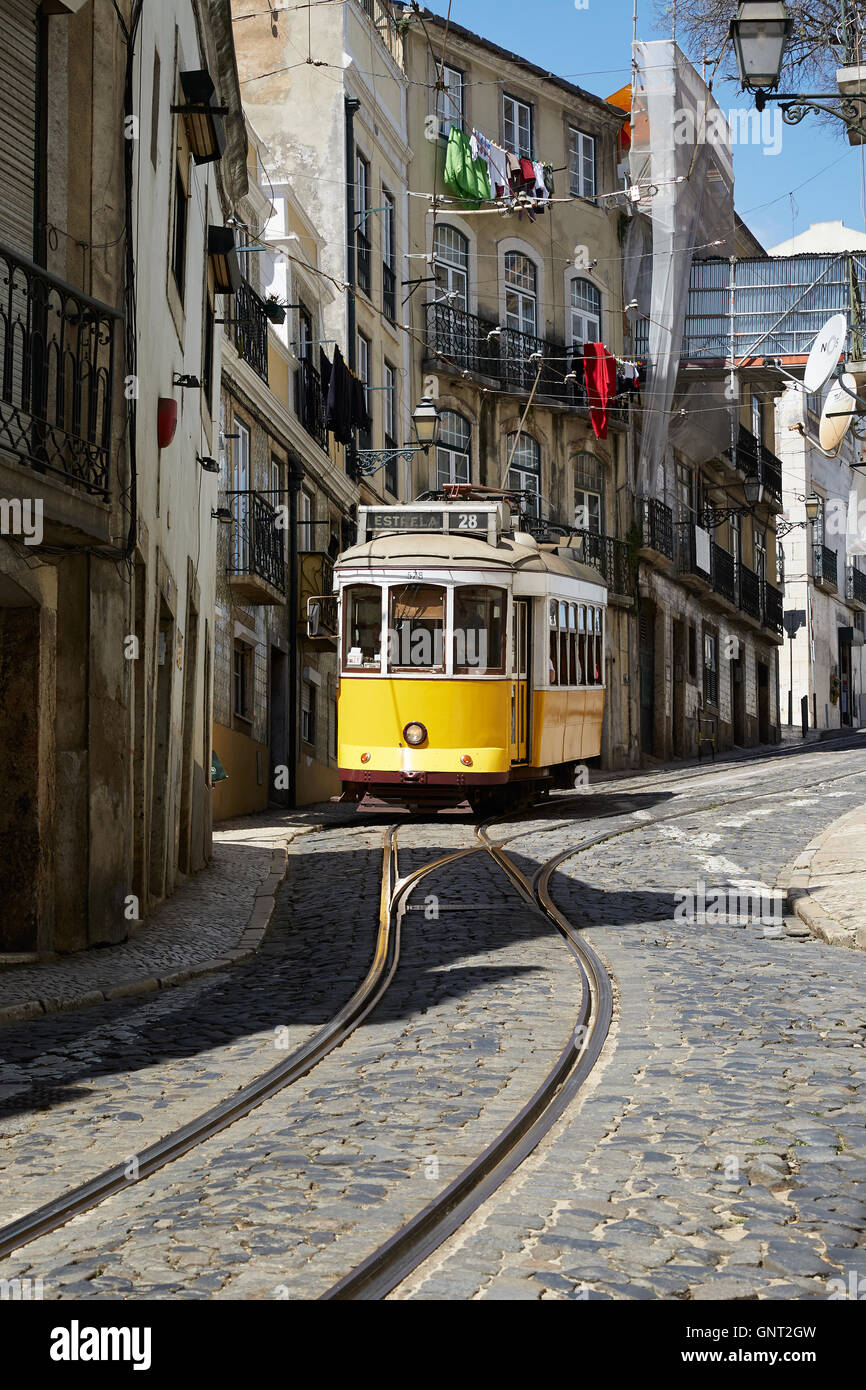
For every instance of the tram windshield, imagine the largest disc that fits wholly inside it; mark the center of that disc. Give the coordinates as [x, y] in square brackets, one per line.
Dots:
[479, 630]
[416, 628]
[362, 628]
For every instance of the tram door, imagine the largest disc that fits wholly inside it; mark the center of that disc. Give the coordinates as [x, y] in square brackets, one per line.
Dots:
[520, 681]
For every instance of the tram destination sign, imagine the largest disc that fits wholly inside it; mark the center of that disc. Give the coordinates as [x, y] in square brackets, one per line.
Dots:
[466, 519]
[405, 520]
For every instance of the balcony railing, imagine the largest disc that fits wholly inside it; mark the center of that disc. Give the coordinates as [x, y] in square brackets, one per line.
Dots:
[826, 565]
[757, 461]
[258, 546]
[246, 323]
[657, 527]
[57, 355]
[611, 558]
[385, 25]
[311, 403]
[690, 559]
[362, 252]
[507, 356]
[856, 584]
[724, 573]
[773, 610]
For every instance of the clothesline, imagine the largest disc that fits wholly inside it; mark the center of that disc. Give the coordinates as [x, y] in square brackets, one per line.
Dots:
[479, 171]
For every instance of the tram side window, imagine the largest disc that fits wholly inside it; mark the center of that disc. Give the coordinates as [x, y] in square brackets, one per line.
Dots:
[362, 628]
[416, 628]
[582, 678]
[479, 630]
[599, 649]
[563, 644]
[554, 643]
[573, 675]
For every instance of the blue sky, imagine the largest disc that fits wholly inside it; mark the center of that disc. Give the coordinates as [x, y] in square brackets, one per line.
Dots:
[592, 47]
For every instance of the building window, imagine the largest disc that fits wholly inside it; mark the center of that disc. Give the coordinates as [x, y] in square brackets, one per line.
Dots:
[521, 308]
[452, 451]
[362, 222]
[305, 334]
[517, 126]
[389, 256]
[524, 475]
[308, 712]
[242, 680]
[589, 494]
[758, 419]
[686, 508]
[155, 95]
[451, 265]
[305, 519]
[207, 354]
[241, 486]
[179, 228]
[760, 538]
[585, 313]
[389, 414]
[449, 100]
[711, 668]
[581, 163]
[363, 370]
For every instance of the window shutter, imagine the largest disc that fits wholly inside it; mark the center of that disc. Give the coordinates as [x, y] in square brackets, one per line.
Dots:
[18, 60]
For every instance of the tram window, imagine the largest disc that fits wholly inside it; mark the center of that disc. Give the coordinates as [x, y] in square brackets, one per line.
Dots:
[553, 672]
[416, 628]
[563, 645]
[572, 644]
[362, 628]
[479, 630]
[581, 645]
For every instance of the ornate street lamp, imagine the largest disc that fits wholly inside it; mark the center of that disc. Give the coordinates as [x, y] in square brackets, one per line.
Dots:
[760, 34]
[813, 508]
[754, 490]
[425, 423]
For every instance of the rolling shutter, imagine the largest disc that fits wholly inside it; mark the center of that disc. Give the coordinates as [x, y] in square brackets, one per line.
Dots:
[18, 64]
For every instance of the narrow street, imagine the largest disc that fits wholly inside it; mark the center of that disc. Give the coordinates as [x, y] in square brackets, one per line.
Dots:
[715, 1150]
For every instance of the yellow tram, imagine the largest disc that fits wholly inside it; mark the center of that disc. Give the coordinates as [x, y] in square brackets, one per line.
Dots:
[471, 657]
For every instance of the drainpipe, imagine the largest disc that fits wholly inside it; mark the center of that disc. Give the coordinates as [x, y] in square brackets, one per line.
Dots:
[352, 106]
[295, 478]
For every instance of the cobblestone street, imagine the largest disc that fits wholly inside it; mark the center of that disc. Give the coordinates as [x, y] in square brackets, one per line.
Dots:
[716, 1151]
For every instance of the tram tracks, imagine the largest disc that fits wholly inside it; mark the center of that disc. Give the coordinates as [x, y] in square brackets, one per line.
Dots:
[392, 1262]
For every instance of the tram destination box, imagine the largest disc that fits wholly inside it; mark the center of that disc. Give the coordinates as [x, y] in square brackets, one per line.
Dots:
[483, 520]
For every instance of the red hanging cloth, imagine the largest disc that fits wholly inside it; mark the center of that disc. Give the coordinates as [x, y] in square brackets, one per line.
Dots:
[599, 369]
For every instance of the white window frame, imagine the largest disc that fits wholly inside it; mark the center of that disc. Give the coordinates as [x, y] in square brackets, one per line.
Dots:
[455, 454]
[582, 148]
[524, 476]
[523, 299]
[517, 123]
[584, 324]
[449, 100]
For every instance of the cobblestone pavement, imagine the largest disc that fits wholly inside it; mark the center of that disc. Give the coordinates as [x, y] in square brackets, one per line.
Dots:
[718, 1153]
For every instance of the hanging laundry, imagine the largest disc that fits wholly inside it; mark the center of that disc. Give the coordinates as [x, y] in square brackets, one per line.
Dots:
[599, 367]
[548, 178]
[497, 162]
[515, 174]
[339, 416]
[527, 172]
[466, 177]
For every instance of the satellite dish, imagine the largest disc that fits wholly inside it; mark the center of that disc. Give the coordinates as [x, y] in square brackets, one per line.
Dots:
[826, 351]
[838, 413]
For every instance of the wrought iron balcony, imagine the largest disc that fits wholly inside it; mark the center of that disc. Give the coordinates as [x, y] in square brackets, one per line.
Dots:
[757, 461]
[773, 608]
[826, 566]
[750, 593]
[257, 558]
[657, 528]
[311, 403]
[57, 359]
[692, 562]
[724, 574]
[482, 346]
[856, 588]
[611, 558]
[246, 323]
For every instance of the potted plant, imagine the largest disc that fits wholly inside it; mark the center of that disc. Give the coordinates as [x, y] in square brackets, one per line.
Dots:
[275, 311]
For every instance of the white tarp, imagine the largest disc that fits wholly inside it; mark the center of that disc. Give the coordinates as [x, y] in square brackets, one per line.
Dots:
[681, 160]
[855, 539]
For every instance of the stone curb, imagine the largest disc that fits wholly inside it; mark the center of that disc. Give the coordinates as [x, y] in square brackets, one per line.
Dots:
[794, 882]
[250, 940]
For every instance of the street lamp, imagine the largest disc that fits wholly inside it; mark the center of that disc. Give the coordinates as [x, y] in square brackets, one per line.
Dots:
[813, 508]
[754, 490]
[425, 423]
[760, 34]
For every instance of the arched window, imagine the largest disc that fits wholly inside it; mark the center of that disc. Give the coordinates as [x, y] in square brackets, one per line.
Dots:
[521, 293]
[589, 494]
[452, 451]
[585, 313]
[451, 265]
[524, 475]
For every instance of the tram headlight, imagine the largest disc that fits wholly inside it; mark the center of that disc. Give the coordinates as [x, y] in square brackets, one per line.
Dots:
[415, 734]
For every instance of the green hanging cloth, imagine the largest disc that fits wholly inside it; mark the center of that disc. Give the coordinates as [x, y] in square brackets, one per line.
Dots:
[466, 178]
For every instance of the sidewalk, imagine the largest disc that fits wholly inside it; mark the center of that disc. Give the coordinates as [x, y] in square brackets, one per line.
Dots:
[215, 919]
[827, 883]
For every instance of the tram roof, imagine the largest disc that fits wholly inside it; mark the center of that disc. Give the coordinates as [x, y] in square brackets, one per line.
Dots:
[464, 552]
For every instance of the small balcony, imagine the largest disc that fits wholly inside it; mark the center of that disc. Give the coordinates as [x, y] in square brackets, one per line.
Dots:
[657, 532]
[773, 608]
[750, 594]
[57, 360]
[257, 556]
[826, 568]
[246, 323]
[694, 556]
[856, 587]
[724, 577]
[755, 460]
[611, 558]
[311, 404]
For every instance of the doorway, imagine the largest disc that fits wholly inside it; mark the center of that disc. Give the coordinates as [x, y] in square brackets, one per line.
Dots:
[738, 700]
[679, 691]
[647, 665]
[160, 772]
[763, 702]
[845, 673]
[520, 681]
